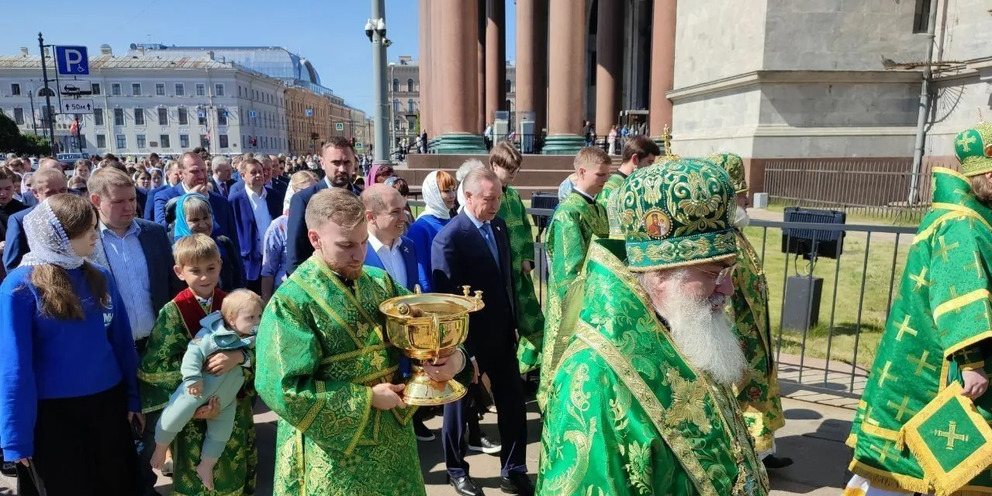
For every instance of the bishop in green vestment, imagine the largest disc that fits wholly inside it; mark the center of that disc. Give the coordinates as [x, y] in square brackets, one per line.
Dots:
[576, 221]
[641, 399]
[506, 161]
[758, 393]
[939, 329]
[325, 368]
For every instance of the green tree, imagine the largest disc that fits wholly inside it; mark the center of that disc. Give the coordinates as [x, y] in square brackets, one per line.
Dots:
[11, 139]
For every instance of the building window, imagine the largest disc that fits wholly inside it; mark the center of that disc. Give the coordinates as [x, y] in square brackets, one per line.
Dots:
[139, 117]
[121, 141]
[218, 90]
[184, 141]
[396, 106]
[159, 89]
[98, 116]
[180, 89]
[409, 105]
[221, 117]
[509, 86]
[95, 87]
[409, 85]
[115, 89]
[140, 141]
[201, 117]
[921, 20]
[183, 116]
[239, 91]
[204, 141]
[163, 116]
[396, 85]
[101, 141]
[118, 117]
[136, 89]
[18, 116]
[163, 141]
[201, 89]
[15, 89]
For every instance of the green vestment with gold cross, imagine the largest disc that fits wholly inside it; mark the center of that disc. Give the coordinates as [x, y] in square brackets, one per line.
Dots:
[939, 325]
[758, 392]
[320, 350]
[530, 317]
[575, 222]
[626, 414]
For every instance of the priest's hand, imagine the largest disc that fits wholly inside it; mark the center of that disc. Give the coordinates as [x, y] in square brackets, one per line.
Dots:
[209, 411]
[223, 362]
[527, 266]
[445, 368]
[975, 383]
[386, 396]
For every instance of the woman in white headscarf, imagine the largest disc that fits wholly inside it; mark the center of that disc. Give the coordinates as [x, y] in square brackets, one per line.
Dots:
[275, 260]
[68, 368]
[439, 196]
[463, 171]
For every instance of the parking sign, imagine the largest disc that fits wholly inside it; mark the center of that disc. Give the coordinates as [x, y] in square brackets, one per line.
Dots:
[72, 60]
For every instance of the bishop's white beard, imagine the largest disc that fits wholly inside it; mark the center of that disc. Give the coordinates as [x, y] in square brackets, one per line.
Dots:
[704, 336]
[741, 219]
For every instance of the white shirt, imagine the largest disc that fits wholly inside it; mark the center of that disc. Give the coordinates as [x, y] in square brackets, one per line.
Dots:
[392, 259]
[261, 210]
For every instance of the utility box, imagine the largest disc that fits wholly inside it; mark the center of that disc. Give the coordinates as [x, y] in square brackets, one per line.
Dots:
[501, 126]
[760, 200]
[525, 131]
[801, 311]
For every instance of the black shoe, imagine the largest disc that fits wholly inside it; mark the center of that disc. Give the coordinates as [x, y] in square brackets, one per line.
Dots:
[774, 462]
[517, 483]
[9, 469]
[422, 432]
[464, 486]
[485, 446]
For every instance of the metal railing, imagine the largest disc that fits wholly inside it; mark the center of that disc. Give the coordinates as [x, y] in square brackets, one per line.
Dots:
[834, 356]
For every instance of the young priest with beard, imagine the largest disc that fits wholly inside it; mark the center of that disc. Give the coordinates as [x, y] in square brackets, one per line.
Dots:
[641, 399]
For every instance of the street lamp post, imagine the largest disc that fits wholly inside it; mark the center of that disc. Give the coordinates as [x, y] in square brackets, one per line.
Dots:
[375, 29]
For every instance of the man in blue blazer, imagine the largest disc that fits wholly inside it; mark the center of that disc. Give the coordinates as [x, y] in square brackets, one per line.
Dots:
[338, 160]
[254, 207]
[45, 183]
[148, 211]
[277, 186]
[193, 174]
[220, 177]
[473, 249]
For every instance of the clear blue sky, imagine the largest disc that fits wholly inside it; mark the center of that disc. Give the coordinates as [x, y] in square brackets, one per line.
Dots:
[330, 33]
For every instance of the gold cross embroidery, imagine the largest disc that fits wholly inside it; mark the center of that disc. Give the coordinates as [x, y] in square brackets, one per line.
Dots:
[904, 328]
[902, 409]
[966, 141]
[921, 362]
[954, 294]
[884, 452]
[976, 266]
[885, 375]
[944, 248]
[921, 280]
[950, 435]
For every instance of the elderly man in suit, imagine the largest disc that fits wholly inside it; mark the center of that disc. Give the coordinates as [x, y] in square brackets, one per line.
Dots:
[136, 253]
[338, 160]
[221, 175]
[254, 208]
[46, 182]
[193, 179]
[473, 249]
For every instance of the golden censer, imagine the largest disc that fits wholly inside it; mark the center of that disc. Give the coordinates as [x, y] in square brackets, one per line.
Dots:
[429, 326]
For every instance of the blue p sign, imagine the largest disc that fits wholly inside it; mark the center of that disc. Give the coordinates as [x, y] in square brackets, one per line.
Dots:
[72, 61]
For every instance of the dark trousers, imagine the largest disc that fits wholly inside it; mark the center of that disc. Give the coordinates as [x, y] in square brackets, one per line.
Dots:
[254, 285]
[508, 394]
[82, 446]
[145, 473]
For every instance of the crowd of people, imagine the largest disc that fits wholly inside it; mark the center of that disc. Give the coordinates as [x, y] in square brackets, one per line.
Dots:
[148, 306]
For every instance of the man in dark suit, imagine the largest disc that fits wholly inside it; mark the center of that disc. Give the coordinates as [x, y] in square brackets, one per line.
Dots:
[193, 179]
[255, 207]
[388, 249]
[473, 249]
[338, 160]
[137, 253]
[45, 183]
[221, 176]
[172, 173]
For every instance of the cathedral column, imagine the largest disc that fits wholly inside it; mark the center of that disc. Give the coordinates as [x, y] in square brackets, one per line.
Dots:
[424, 68]
[566, 37]
[495, 58]
[662, 66]
[456, 65]
[609, 64]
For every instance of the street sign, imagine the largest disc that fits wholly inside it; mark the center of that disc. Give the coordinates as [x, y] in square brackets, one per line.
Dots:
[81, 106]
[339, 126]
[358, 132]
[358, 146]
[72, 61]
[251, 113]
[309, 112]
[76, 87]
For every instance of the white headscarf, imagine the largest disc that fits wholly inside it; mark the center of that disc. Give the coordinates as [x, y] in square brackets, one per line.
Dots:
[432, 198]
[47, 240]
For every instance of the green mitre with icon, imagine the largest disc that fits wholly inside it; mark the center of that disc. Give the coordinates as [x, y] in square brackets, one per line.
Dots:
[973, 148]
[675, 214]
[734, 166]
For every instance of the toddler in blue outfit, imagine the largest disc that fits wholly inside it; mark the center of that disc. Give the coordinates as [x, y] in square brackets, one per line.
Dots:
[232, 328]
